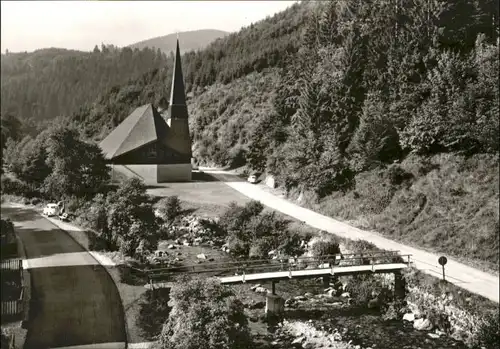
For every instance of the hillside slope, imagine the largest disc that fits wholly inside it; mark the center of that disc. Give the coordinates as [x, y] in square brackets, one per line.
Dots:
[191, 40]
[44, 84]
[397, 132]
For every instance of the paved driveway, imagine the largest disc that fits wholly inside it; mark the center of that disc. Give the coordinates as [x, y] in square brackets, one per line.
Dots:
[73, 304]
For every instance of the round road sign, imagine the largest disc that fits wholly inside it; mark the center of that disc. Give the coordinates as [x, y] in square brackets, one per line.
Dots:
[442, 260]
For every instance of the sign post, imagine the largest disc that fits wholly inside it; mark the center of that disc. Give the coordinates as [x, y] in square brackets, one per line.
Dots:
[443, 260]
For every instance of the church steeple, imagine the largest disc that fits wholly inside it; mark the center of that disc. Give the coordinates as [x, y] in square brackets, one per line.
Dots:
[177, 92]
[178, 137]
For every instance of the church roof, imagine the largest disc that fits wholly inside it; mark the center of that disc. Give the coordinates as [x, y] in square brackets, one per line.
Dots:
[144, 125]
[177, 92]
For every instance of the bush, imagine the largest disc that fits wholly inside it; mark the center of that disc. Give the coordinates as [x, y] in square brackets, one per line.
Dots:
[16, 187]
[397, 175]
[5, 340]
[327, 245]
[368, 290]
[154, 311]
[205, 314]
[75, 205]
[169, 208]
[238, 247]
[488, 334]
[130, 274]
[290, 245]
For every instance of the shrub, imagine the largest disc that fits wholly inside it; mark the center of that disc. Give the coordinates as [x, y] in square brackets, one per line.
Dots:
[16, 187]
[290, 245]
[5, 340]
[35, 201]
[238, 247]
[169, 208]
[257, 251]
[488, 334]
[207, 315]
[75, 205]
[130, 274]
[327, 245]
[154, 311]
[397, 175]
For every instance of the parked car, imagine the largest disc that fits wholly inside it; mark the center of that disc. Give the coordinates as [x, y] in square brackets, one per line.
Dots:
[252, 179]
[64, 217]
[51, 210]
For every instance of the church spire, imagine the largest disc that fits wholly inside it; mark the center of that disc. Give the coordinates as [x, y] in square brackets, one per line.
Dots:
[177, 93]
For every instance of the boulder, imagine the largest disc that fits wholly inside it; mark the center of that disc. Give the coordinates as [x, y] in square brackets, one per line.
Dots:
[409, 317]
[261, 290]
[308, 295]
[422, 325]
[171, 247]
[255, 286]
[345, 295]
[373, 303]
[332, 293]
[201, 256]
[257, 305]
[300, 298]
[299, 340]
[433, 335]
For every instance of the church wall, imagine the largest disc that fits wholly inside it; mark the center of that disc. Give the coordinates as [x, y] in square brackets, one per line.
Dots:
[147, 173]
[174, 173]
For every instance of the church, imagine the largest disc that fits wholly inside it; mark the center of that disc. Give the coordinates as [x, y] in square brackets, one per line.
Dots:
[147, 146]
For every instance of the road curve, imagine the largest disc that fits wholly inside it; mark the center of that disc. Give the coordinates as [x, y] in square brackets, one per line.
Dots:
[71, 303]
[469, 278]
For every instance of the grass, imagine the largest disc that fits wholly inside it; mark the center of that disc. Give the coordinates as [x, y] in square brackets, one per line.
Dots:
[449, 206]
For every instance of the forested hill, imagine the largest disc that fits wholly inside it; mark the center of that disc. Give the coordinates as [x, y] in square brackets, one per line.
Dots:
[260, 47]
[380, 112]
[191, 40]
[55, 82]
[46, 83]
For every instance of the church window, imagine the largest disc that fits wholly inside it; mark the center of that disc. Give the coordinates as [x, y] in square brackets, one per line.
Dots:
[151, 153]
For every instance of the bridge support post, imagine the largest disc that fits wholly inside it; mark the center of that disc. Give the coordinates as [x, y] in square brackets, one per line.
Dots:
[399, 286]
[326, 281]
[275, 305]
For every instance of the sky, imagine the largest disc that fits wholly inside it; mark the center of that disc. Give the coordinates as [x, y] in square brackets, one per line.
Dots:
[80, 25]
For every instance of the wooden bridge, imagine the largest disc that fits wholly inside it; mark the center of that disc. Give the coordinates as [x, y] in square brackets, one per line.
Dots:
[282, 269]
[274, 270]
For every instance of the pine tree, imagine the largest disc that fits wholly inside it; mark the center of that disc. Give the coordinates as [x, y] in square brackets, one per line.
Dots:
[328, 25]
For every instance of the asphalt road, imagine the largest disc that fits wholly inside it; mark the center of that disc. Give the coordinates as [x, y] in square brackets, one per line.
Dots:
[471, 279]
[72, 304]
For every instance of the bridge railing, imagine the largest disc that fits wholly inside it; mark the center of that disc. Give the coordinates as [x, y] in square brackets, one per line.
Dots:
[283, 264]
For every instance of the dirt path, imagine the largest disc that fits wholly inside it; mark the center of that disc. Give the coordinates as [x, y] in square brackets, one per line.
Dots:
[469, 278]
[74, 303]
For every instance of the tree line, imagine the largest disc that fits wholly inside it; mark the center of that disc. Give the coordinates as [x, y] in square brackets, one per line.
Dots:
[361, 84]
[376, 80]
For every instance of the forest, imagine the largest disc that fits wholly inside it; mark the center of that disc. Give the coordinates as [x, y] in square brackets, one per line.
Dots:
[360, 103]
